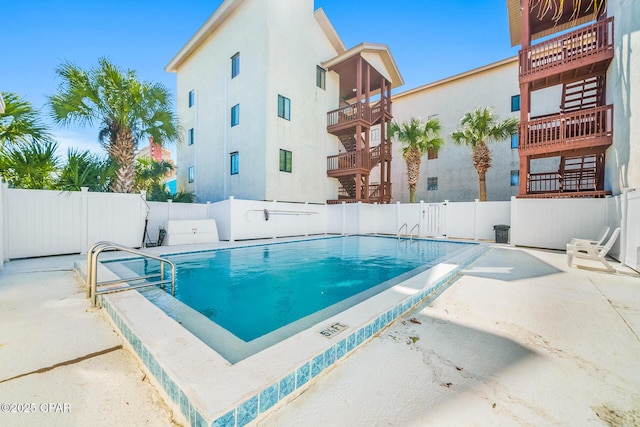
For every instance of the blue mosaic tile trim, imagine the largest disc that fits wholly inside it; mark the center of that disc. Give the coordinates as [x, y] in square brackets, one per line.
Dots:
[267, 398]
[247, 412]
[287, 385]
[227, 420]
[303, 374]
[171, 389]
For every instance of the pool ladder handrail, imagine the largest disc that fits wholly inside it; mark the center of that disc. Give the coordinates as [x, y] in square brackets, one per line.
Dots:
[405, 226]
[411, 232]
[92, 272]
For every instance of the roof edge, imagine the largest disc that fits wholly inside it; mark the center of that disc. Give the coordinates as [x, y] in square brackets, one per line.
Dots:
[383, 49]
[329, 30]
[457, 76]
[209, 27]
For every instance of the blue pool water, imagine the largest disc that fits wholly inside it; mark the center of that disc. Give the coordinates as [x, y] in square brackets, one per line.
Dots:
[255, 291]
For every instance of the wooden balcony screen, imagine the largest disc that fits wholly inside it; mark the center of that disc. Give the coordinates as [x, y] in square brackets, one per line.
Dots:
[565, 131]
[568, 48]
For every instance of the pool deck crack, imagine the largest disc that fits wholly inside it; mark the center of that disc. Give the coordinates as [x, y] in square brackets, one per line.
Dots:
[65, 363]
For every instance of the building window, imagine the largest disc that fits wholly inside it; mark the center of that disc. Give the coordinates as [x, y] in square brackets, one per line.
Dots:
[191, 173]
[515, 178]
[190, 137]
[284, 107]
[235, 115]
[432, 183]
[285, 161]
[321, 77]
[234, 163]
[432, 154]
[514, 140]
[515, 103]
[192, 98]
[375, 134]
[235, 65]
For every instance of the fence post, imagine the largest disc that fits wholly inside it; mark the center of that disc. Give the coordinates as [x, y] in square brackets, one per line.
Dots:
[623, 225]
[444, 219]
[344, 216]
[514, 221]
[208, 215]
[230, 222]
[475, 219]
[421, 218]
[169, 210]
[273, 223]
[84, 219]
[397, 217]
[3, 191]
[306, 221]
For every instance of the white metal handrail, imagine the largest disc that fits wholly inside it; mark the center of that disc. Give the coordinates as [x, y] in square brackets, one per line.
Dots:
[411, 232]
[405, 226]
[92, 272]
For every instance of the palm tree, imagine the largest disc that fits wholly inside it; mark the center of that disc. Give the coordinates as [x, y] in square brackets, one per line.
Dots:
[417, 139]
[29, 164]
[20, 122]
[84, 169]
[125, 109]
[150, 174]
[477, 129]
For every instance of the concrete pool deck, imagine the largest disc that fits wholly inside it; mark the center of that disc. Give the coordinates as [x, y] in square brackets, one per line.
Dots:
[519, 338]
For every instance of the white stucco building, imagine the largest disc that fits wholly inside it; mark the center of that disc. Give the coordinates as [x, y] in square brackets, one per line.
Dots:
[255, 84]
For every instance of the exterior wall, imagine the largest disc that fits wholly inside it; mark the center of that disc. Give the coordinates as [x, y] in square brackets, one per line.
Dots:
[623, 91]
[297, 45]
[278, 58]
[208, 73]
[457, 179]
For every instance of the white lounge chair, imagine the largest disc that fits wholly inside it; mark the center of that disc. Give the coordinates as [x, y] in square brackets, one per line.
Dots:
[603, 235]
[586, 250]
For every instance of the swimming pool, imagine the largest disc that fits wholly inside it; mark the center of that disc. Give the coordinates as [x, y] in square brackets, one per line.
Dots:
[240, 301]
[204, 388]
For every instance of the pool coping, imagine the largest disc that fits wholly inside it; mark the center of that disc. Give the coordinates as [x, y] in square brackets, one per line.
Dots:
[206, 390]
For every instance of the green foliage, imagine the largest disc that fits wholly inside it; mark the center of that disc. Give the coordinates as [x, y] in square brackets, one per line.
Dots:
[415, 133]
[29, 164]
[125, 109]
[20, 122]
[150, 174]
[84, 169]
[417, 139]
[483, 126]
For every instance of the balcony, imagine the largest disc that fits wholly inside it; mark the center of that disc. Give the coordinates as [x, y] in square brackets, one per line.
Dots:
[556, 133]
[353, 162]
[349, 163]
[348, 116]
[578, 54]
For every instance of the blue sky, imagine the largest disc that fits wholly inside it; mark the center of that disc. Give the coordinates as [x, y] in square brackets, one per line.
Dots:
[429, 40]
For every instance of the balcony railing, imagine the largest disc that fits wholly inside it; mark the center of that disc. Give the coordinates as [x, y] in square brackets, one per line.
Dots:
[349, 160]
[543, 183]
[565, 131]
[376, 193]
[576, 45]
[358, 111]
[349, 113]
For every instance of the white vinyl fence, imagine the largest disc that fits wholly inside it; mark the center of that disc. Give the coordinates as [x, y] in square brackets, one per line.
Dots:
[39, 223]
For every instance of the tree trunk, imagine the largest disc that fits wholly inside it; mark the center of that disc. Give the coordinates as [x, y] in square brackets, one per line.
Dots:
[122, 150]
[412, 194]
[482, 186]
